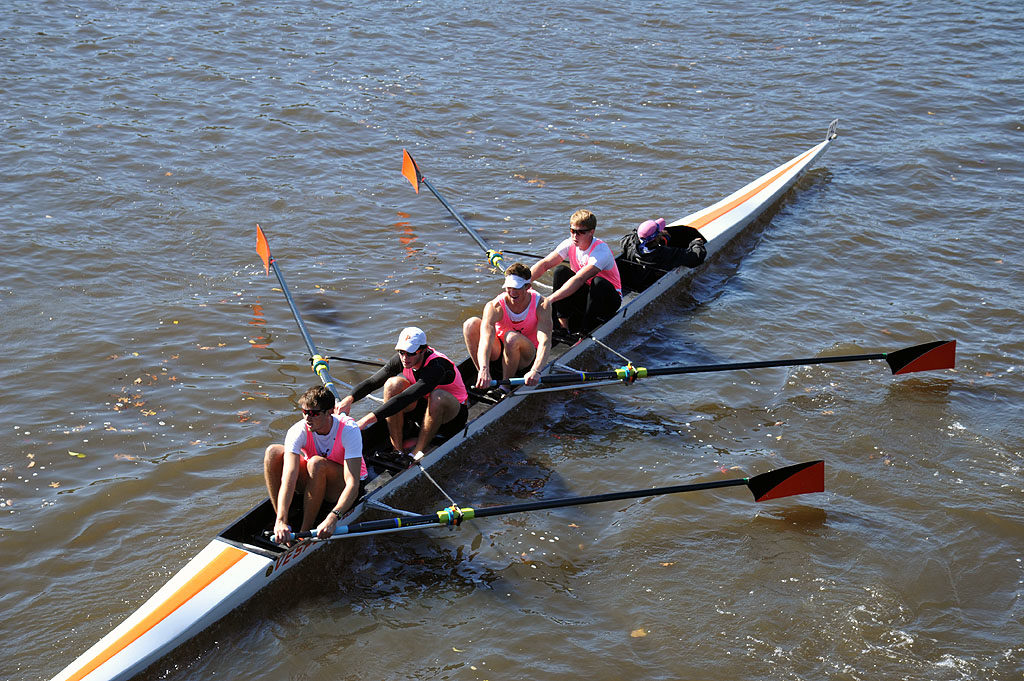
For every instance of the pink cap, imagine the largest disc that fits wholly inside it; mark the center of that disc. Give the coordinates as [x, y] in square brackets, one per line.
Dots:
[650, 229]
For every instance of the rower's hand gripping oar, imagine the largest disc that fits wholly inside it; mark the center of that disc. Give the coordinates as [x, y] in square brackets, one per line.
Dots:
[925, 357]
[801, 478]
[411, 171]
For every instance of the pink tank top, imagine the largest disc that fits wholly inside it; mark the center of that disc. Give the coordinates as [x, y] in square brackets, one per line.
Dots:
[457, 388]
[612, 275]
[337, 454]
[527, 325]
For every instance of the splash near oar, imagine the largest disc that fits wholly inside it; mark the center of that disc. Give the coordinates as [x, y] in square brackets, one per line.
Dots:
[932, 356]
[801, 478]
[411, 171]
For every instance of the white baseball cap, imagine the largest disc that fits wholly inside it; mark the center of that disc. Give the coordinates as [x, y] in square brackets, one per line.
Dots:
[514, 281]
[411, 339]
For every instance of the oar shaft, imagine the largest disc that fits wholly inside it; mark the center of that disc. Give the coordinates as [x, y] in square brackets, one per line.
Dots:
[602, 498]
[665, 371]
[295, 311]
[801, 478]
[358, 361]
[444, 517]
[320, 367]
[640, 372]
[455, 214]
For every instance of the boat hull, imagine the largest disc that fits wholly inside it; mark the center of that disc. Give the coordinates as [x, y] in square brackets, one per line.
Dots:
[239, 562]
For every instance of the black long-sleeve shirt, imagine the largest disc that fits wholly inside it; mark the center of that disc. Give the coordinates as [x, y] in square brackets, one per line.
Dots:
[639, 270]
[438, 371]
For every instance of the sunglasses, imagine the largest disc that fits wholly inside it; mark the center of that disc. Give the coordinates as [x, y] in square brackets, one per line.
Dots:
[313, 412]
[403, 353]
[573, 230]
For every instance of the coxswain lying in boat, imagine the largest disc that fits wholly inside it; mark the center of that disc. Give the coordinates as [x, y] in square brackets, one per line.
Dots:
[322, 458]
[419, 383]
[652, 249]
[515, 327]
[589, 291]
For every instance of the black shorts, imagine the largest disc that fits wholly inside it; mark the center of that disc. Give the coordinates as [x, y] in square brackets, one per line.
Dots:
[447, 429]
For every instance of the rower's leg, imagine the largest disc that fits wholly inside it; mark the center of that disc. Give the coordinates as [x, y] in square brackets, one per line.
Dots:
[471, 334]
[317, 470]
[442, 407]
[335, 480]
[273, 465]
[396, 422]
[603, 301]
[571, 313]
[518, 354]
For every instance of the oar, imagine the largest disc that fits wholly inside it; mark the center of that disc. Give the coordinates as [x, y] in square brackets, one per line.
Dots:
[367, 362]
[411, 171]
[801, 478]
[925, 357]
[318, 361]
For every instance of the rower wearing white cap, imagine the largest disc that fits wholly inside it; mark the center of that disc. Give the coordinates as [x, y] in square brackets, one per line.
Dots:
[419, 382]
[515, 327]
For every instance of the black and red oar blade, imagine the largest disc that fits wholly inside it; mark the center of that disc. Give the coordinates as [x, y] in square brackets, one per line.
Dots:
[924, 357]
[411, 170]
[263, 248]
[801, 478]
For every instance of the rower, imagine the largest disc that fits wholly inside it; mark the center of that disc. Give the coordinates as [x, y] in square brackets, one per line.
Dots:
[588, 291]
[421, 383]
[514, 327]
[322, 458]
[652, 249]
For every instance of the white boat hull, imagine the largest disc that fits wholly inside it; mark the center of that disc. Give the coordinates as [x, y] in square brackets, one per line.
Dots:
[227, 573]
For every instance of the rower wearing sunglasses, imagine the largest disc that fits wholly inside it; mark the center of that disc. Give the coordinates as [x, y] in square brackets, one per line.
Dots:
[420, 384]
[322, 459]
[588, 291]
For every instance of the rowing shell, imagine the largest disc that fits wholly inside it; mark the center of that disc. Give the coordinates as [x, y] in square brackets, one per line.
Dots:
[240, 562]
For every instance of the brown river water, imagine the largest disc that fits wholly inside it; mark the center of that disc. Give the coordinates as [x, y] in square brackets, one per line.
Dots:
[146, 360]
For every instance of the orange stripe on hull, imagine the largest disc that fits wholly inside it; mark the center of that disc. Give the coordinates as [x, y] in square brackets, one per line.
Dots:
[216, 567]
[719, 212]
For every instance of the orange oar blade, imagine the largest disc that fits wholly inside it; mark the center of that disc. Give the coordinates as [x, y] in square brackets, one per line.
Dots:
[802, 478]
[263, 248]
[926, 357]
[411, 170]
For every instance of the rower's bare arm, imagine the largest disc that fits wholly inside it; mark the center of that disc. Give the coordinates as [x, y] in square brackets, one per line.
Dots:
[289, 480]
[344, 406]
[544, 325]
[542, 266]
[491, 316]
[572, 285]
[351, 471]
